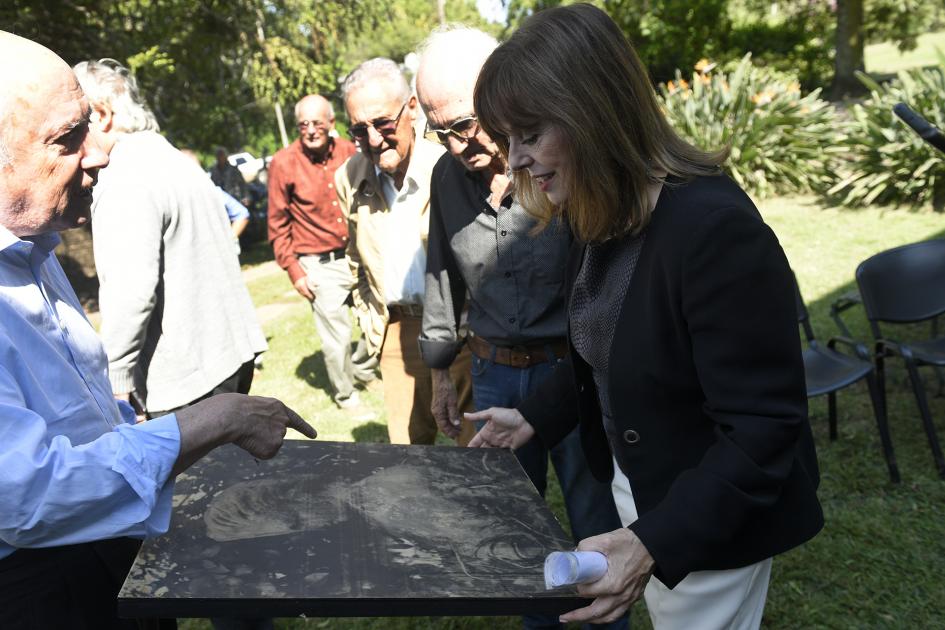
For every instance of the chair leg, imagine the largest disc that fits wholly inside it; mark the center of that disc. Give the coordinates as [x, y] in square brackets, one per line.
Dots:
[832, 414]
[881, 381]
[883, 427]
[919, 391]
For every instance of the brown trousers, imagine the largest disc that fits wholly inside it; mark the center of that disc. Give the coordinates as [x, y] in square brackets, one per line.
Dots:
[408, 386]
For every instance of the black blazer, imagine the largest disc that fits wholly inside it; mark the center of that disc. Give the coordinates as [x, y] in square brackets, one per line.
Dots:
[706, 388]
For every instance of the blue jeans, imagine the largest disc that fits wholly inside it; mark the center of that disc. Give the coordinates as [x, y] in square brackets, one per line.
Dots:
[590, 503]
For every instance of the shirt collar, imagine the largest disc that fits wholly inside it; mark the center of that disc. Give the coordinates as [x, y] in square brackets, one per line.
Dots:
[327, 156]
[45, 242]
[410, 183]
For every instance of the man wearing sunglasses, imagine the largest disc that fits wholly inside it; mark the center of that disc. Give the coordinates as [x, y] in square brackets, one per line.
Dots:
[483, 252]
[309, 234]
[385, 189]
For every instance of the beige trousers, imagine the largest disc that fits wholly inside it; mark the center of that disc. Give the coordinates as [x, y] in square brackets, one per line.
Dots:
[408, 386]
[709, 600]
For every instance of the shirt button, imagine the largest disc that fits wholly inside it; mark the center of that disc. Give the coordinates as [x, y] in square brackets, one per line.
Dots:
[62, 325]
[631, 437]
[508, 274]
[334, 203]
[511, 320]
[331, 185]
[502, 232]
[339, 219]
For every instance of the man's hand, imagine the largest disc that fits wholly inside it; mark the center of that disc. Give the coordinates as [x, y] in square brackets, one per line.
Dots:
[254, 423]
[505, 428]
[443, 406]
[629, 567]
[304, 289]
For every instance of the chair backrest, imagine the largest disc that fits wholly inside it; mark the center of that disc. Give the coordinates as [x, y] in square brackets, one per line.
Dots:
[904, 284]
[803, 318]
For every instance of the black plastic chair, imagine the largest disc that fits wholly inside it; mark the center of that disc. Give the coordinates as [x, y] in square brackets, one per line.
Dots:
[827, 370]
[907, 285]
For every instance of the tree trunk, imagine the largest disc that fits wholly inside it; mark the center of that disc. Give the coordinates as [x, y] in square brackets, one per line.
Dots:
[849, 52]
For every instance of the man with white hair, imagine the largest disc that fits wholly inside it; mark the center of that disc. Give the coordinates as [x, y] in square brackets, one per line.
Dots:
[309, 234]
[483, 253]
[385, 191]
[177, 321]
[78, 474]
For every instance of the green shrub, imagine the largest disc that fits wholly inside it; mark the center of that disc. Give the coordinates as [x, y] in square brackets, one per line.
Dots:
[887, 163]
[800, 40]
[780, 140]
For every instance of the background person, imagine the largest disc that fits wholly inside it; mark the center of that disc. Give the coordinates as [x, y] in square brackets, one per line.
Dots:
[178, 324]
[79, 476]
[482, 245]
[229, 178]
[385, 193]
[685, 359]
[309, 234]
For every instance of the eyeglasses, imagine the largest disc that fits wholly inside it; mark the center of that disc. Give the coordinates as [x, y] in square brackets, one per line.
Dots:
[463, 129]
[383, 126]
[314, 124]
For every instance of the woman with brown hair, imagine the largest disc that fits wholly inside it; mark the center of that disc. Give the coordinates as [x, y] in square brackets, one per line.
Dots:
[685, 365]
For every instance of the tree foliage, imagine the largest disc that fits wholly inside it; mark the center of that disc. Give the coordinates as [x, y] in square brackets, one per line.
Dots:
[212, 70]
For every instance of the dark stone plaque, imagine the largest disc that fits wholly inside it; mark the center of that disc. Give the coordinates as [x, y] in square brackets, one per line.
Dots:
[332, 529]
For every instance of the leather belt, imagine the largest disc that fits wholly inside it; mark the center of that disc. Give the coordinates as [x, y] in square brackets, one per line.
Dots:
[399, 311]
[518, 356]
[334, 254]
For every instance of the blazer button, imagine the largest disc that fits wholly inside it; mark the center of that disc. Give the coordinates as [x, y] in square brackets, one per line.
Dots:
[631, 437]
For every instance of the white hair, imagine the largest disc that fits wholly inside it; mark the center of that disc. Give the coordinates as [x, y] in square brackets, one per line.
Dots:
[373, 70]
[331, 110]
[107, 82]
[454, 44]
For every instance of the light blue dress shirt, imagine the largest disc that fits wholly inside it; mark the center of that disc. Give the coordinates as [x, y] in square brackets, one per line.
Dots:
[234, 209]
[73, 465]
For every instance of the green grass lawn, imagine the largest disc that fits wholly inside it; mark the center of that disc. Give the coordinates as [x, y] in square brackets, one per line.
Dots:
[880, 561]
[885, 58]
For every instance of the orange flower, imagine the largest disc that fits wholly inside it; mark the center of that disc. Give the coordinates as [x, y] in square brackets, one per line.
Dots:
[704, 66]
[762, 98]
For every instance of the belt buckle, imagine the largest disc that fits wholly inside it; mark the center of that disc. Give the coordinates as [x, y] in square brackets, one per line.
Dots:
[519, 358]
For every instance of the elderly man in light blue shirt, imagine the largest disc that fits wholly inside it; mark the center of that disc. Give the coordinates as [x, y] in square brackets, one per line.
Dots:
[77, 473]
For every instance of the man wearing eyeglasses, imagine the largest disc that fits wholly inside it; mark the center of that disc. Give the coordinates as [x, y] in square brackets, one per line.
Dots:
[483, 252]
[309, 234]
[385, 191]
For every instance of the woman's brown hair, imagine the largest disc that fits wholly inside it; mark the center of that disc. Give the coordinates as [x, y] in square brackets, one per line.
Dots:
[571, 67]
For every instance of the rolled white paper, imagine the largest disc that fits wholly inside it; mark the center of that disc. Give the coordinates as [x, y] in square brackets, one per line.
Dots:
[563, 568]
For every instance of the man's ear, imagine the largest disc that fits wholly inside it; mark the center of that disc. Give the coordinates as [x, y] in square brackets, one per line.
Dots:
[412, 107]
[102, 117]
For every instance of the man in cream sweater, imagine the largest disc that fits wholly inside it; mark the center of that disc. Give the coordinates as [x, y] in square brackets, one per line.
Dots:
[178, 324]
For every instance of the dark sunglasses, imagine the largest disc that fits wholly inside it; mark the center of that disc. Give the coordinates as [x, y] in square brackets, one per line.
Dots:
[383, 126]
[463, 129]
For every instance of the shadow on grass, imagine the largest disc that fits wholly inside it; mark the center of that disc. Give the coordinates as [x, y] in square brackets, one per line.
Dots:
[313, 371]
[372, 432]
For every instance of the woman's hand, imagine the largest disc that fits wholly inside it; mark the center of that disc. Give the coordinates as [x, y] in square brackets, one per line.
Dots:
[629, 566]
[505, 428]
